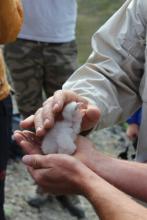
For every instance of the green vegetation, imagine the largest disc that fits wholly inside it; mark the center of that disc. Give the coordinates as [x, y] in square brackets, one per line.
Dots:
[91, 15]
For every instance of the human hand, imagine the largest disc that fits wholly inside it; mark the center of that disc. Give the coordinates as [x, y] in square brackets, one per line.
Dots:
[132, 131]
[85, 151]
[57, 173]
[51, 110]
[50, 170]
[28, 141]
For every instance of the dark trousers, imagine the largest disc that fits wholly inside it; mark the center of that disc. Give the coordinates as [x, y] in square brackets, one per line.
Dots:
[5, 137]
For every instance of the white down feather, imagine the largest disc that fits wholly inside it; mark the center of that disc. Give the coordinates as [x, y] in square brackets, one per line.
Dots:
[60, 139]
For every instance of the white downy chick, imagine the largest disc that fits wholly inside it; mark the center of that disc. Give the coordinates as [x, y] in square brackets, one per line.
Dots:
[60, 139]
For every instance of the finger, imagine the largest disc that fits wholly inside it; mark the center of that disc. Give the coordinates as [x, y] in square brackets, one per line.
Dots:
[26, 136]
[37, 161]
[29, 148]
[38, 121]
[62, 97]
[49, 182]
[31, 137]
[38, 174]
[28, 122]
[26, 142]
[48, 114]
[18, 136]
[91, 117]
[55, 104]
[44, 179]
[51, 107]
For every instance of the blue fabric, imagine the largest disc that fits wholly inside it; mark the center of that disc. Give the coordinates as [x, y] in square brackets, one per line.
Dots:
[135, 118]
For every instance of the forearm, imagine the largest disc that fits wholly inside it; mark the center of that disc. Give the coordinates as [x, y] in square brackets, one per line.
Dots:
[127, 176]
[111, 203]
[106, 80]
[11, 17]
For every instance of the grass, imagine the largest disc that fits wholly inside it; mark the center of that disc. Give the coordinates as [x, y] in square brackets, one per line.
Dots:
[91, 15]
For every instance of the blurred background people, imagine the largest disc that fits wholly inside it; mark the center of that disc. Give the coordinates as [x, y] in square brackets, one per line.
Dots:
[10, 21]
[5, 130]
[132, 132]
[133, 128]
[40, 60]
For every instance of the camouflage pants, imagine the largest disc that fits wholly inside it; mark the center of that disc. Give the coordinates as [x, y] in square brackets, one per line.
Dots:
[38, 68]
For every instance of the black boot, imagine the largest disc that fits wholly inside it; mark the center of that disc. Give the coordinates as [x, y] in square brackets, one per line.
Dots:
[39, 199]
[72, 204]
[124, 154]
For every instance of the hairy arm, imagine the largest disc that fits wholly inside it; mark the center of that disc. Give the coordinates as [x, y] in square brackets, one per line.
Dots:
[75, 177]
[130, 177]
[109, 202]
[11, 17]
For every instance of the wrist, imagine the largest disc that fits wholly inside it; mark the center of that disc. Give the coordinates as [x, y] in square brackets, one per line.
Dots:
[97, 161]
[100, 163]
[87, 181]
[89, 185]
[83, 179]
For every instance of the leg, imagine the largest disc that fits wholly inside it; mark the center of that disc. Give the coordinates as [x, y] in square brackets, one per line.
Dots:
[5, 132]
[24, 62]
[60, 63]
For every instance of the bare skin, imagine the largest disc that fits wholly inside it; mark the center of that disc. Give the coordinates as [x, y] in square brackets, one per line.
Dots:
[81, 175]
[128, 176]
[45, 117]
[89, 176]
[132, 131]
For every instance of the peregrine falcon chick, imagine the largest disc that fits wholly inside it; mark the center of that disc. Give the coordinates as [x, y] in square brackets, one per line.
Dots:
[60, 139]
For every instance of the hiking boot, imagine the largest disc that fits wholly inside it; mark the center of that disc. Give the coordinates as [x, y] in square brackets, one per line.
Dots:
[38, 200]
[72, 204]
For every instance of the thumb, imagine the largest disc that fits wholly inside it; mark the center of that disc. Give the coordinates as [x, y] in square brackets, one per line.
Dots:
[28, 122]
[91, 118]
[36, 161]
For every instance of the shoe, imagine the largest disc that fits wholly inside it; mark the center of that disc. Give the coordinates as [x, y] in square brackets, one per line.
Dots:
[124, 154]
[72, 204]
[39, 199]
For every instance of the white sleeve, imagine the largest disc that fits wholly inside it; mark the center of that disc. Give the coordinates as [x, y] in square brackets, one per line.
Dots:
[111, 77]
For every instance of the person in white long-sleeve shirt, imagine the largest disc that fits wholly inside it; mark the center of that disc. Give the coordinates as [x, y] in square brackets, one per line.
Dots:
[113, 85]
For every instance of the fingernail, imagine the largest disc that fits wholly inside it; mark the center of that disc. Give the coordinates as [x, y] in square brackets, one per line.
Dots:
[39, 131]
[27, 159]
[16, 137]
